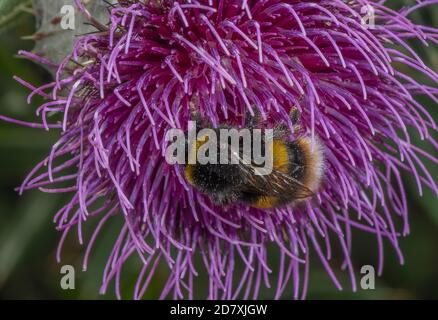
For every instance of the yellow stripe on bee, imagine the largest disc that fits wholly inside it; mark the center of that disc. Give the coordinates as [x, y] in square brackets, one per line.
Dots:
[188, 173]
[193, 152]
[280, 155]
[281, 163]
[265, 202]
[202, 140]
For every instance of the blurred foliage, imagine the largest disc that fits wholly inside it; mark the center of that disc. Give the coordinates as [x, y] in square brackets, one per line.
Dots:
[56, 42]
[9, 10]
[28, 239]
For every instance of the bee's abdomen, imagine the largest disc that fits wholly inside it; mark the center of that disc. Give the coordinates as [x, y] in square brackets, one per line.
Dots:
[289, 157]
[297, 161]
[259, 201]
[310, 160]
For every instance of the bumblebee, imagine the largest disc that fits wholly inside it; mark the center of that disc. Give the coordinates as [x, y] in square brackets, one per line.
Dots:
[297, 171]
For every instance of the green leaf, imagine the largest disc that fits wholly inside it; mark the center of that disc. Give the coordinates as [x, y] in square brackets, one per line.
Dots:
[55, 43]
[19, 235]
[10, 9]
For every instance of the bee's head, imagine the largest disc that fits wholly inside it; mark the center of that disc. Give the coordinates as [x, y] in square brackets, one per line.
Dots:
[206, 170]
[213, 178]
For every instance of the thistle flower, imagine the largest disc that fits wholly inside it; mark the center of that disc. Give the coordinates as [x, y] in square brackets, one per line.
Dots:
[124, 86]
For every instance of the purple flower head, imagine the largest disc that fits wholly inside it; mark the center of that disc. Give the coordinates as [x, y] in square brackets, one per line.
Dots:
[123, 87]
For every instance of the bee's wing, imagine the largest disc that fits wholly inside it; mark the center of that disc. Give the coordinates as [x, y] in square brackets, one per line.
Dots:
[277, 183]
[274, 183]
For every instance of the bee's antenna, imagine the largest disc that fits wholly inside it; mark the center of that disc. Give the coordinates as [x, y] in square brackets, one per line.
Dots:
[295, 117]
[252, 120]
[193, 109]
[194, 113]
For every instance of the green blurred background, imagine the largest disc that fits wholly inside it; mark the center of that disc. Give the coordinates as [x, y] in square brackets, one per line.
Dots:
[28, 239]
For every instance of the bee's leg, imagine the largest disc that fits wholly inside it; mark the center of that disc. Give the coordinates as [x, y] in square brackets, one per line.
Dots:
[283, 130]
[225, 199]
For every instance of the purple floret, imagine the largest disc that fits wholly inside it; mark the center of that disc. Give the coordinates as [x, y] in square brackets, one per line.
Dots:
[134, 79]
